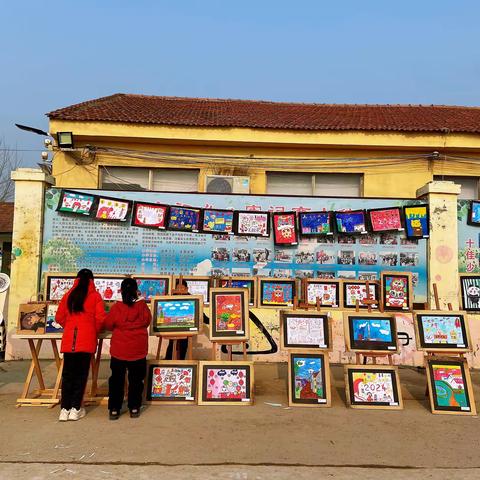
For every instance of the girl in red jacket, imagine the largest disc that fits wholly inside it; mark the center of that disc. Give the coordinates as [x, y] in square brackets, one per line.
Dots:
[81, 314]
[128, 320]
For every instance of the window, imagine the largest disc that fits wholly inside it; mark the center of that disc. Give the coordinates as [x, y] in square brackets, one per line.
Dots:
[321, 184]
[157, 179]
[470, 185]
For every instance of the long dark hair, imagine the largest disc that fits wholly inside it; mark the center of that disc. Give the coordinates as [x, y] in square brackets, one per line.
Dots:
[77, 296]
[129, 290]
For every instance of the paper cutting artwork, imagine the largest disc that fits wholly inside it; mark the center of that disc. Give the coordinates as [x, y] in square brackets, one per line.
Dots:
[226, 384]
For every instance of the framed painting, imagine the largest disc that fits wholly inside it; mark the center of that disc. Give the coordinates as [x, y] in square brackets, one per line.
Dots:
[328, 292]
[450, 386]
[172, 382]
[386, 219]
[276, 292]
[309, 380]
[56, 286]
[32, 318]
[442, 331]
[109, 287]
[241, 282]
[51, 325]
[217, 221]
[184, 219]
[417, 222]
[226, 383]
[305, 330]
[373, 386]
[350, 222]
[470, 292]
[474, 214]
[370, 332]
[74, 202]
[153, 285]
[112, 209]
[315, 223]
[172, 314]
[196, 285]
[251, 223]
[285, 228]
[397, 291]
[229, 314]
[354, 290]
[149, 215]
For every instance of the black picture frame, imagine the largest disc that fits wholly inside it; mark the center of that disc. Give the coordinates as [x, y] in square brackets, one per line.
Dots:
[262, 281]
[470, 290]
[216, 232]
[338, 214]
[371, 345]
[48, 284]
[301, 215]
[470, 220]
[405, 219]
[400, 212]
[96, 207]
[236, 220]
[419, 316]
[405, 276]
[136, 204]
[172, 209]
[225, 366]
[285, 315]
[155, 330]
[229, 283]
[73, 192]
[374, 284]
[229, 334]
[274, 215]
[319, 281]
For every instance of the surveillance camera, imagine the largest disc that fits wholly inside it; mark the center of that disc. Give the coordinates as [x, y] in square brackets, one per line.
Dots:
[47, 142]
[44, 155]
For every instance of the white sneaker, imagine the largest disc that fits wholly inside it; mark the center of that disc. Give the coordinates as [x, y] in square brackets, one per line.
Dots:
[63, 415]
[76, 414]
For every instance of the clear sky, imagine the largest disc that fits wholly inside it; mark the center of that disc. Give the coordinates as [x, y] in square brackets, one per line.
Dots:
[56, 53]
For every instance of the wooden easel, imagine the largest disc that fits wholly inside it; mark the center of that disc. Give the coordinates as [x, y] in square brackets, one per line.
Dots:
[229, 344]
[305, 305]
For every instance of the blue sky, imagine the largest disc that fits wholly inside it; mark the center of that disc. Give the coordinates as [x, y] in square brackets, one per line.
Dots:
[56, 53]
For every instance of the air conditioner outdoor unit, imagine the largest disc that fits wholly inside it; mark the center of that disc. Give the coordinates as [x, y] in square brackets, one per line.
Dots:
[227, 184]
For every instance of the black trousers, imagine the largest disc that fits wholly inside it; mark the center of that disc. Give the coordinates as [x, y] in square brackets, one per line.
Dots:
[182, 346]
[74, 378]
[137, 370]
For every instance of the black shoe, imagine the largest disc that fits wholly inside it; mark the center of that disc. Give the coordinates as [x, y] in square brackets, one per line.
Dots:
[134, 413]
[114, 415]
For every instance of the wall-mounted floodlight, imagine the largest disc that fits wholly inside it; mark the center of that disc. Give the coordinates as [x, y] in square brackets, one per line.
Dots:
[65, 140]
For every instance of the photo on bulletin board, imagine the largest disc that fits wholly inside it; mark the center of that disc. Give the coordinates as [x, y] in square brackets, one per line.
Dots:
[315, 223]
[450, 386]
[172, 314]
[226, 383]
[474, 214]
[196, 285]
[308, 380]
[241, 282]
[350, 222]
[417, 222]
[32, 318]
[470, 292]
[172, 382]
[112, 209]
[370, 332]
[276, 292]
[56, 286]
[285, 228]
[74, 202]
[109, 287]
[373, 386]
[217, 221]
[51, 325]
[184, 219]
[149, 215]
[328, 292]
[397, 291]
[386, 219]
[252, 223]
[354, 290]
[229, 314]
[442, 331]
[153, 285]
[305, 330]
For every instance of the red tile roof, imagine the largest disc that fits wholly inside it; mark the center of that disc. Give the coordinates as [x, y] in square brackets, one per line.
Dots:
[6, 217]
[204, 112]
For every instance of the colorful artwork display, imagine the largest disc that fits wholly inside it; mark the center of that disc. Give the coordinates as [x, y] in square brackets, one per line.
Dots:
[327, 292]
[242, 282]
[217, 221]
[304, 330]
[109, 288]
[173, 381]
[370, 332]
[184, 219]
[276, 293]
[470, 286]
[57, 287]
[149, 215]
[308, 379]
[285, 228]
[74, 202]
[396, 290]
[315, 223]
[474, 214]
[32, 318]
[199, 286]
[252, 223]
[446, 330]
[153, 287]
[175, 314]
[417, 221]
[229, 313]
[386, 219]
[51, 325]
[350, 222]
[353, 291]
[112, 209]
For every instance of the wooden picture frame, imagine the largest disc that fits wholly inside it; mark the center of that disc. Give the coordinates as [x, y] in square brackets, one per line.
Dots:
[285, 229]
[386, 219]
[193, 305]
[310, 224]
[473, 218]
[454, 385]
[196, 285]
[470, 292]
[223, 220]
[160, 223]
[99, 209]
[358, 396]
[399, 298]
[209, 380]
[305, 369]
[328, 299]
[174, 380]
[352, 289]
[352, 226]
[417, 221]
[288, 298]
[172, 220]
[77, 199]
[32, 318]
[262, 230]
[226, 304]
[365, 334]
[146, 291]
[320, 337]
[241, 282]
[458, 318]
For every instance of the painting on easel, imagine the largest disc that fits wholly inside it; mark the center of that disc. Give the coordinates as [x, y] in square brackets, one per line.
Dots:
[276, 293]
[229, 314]
[328, 292]
[354, 290]
[175, 314]
[397, 293]
[305, 330]
[32, 318]
[153, 286]
[470, 286]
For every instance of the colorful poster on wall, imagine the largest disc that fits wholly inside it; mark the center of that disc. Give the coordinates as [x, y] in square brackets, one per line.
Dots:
[417, 221]
[217, 221]
[315, 223]
[149, 215]
[112, 209]
[73, 202]
[285, 228]
[350, 222]
[252, 223]
[184, 219]
[386, 219]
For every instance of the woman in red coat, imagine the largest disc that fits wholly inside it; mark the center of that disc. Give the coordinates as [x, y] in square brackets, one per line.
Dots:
[81, 314]
[128, 321]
